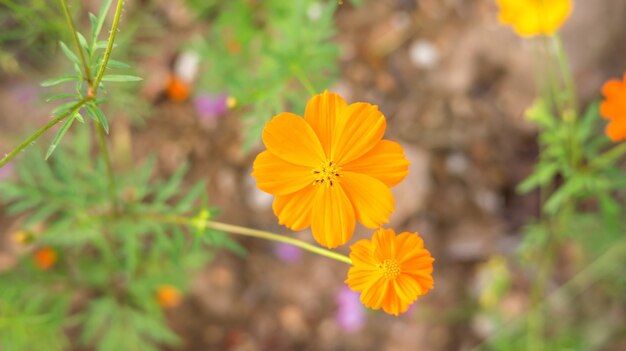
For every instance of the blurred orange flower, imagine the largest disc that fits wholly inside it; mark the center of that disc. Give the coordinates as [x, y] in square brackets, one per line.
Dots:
[330, 168]
[177, 90]
[390, 271]
[613, 108]
[168, 296]
[45, 258]
[534, 17]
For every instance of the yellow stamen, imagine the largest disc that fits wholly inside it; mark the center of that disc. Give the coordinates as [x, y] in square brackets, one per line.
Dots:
[390, 268]
[327, 173]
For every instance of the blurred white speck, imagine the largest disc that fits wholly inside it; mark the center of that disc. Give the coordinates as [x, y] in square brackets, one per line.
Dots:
[186, 66]
[488, 201]
[424, 54]
[257, 199]
[400, 20]
[457, 164]
[315, 11]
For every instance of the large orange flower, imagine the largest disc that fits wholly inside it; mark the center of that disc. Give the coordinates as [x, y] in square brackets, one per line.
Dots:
[330, 168]
[390, 271]
[534, 17]
[613, 108]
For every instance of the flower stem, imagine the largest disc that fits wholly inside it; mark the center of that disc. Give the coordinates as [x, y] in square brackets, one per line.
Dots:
[104, 151]
[260, 234]
[303, 79]
[107, 52]
[79, 48]
[42, 130]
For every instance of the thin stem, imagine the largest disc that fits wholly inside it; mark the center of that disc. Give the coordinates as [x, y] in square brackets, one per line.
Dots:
[42, 130]
[107, 53]
[260, 234]
[104, 151]
[566, 71]
[79, 48]
[303, 79]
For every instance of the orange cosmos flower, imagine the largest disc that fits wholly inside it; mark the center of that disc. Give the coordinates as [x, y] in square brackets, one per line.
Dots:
[613, 108]
[168, 296]
[177, 90]
[45, 258]
[330, 168]
[390, 271]
[534, 17]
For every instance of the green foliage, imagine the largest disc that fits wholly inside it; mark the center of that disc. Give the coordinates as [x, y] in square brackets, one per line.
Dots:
[262, 52]
[114, 252]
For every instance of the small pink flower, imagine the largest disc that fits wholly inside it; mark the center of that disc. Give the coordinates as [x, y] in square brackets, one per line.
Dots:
[350, 315]
[210, 106]
[287, 253]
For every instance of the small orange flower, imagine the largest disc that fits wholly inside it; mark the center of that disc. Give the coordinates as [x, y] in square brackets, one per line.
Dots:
[330, 168]
[168, 296]
[390, 271]
[45, 258]
[177, 90]
[534, 17]
[613, 108]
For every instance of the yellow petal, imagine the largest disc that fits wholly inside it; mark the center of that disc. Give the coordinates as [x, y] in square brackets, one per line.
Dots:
[358, 129]
[333, 217]
[385, 162]
[360, 279]
[372, 200]
[374, 296]
[362, 253]
[294, 210]
[278, 177]
[290, 138]
[321, 114]
[394, 304]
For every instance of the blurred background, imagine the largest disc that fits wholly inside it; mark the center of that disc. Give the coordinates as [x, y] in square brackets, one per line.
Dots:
[453, 84]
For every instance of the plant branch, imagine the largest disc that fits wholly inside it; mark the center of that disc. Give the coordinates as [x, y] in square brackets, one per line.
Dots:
[70, 22]
[254, 233]
[107, 54]
[42, 130]
[104, 151]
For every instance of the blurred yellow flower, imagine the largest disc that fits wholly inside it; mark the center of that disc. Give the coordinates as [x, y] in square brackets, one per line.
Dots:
[534, 17]
[168, 296]
[330, 168]
[390, 271]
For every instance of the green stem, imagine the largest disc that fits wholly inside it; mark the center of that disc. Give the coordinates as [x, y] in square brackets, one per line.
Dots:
[79, 48]
[104, 151]
[303, 79]
[42, 130]
[107, 52]
[254, 233]
[566, 72]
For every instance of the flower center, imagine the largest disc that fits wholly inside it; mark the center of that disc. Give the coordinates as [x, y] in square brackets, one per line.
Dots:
[327, 173]
[390, 268]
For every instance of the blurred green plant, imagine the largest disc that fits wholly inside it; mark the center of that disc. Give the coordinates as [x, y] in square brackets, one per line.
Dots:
[262, 53]
[581, 183]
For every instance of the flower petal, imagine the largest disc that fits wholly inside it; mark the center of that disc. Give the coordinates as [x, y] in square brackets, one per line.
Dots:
[292, 139]
[321, 114]
[360, 279]
[333, 217]
[374, 296]
[385, 162]
[278, 177]
[372, 200]
[616, 130]
[294, 210]
[358, 129]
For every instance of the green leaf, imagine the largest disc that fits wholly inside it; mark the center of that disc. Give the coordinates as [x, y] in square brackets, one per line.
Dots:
[69, 53]
[544, 172]
[96, 113]
[117, 64]
[59, 80]
[83, 41]
[120, 78]
[57, 139]
[98, 22]
[61, 97]
[63, 108]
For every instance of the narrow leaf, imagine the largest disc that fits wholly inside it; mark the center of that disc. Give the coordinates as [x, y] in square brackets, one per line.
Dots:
[59, 80]
[57, 139]
[120, 78]
[96, 113]
[69, 53]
